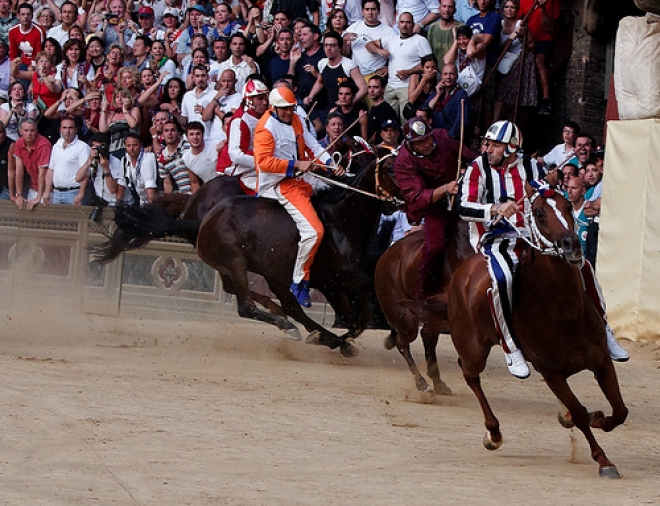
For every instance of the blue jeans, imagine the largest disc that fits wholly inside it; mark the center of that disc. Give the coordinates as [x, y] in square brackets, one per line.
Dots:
[65, 197]
[4, 194]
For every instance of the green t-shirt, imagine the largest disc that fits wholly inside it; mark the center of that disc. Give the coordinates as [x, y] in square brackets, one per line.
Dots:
[440, 40]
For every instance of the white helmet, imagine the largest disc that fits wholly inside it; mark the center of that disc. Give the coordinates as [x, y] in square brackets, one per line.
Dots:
[507, 133]
[253, 88]
[282, 97]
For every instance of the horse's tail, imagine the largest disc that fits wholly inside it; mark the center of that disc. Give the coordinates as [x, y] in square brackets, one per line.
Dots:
[137, 226]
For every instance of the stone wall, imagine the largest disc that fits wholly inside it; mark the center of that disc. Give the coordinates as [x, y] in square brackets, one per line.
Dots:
[44, 261]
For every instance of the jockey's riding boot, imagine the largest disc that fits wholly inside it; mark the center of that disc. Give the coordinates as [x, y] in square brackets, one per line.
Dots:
[517, 364]
[617, 353]
[301, 291]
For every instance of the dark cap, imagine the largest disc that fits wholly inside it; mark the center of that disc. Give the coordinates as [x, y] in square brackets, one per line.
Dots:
[389, 123]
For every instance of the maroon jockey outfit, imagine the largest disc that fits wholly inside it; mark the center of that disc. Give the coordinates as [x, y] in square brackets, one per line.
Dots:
[425, 170]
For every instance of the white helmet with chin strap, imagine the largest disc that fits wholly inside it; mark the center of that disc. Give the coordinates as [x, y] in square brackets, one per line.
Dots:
[507, 133]
[253, 88]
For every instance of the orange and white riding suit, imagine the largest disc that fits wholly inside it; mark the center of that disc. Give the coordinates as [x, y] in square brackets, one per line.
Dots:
[277, 146]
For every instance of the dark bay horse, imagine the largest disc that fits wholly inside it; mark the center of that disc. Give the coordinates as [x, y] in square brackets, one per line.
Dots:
[395, 279]
[241, 233]
[557, 325]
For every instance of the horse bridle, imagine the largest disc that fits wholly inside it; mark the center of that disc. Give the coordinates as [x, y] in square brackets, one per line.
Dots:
[381, 193]
[540, 242]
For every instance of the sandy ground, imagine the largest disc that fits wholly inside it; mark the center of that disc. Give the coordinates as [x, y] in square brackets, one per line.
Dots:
[107, 411]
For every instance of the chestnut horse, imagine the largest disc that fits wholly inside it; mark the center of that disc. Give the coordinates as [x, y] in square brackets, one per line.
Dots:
[395, 279]
[242, 233]
[558, 327]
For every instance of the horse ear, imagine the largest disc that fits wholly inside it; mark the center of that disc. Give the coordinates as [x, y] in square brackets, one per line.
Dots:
[553, 179]
[529, 190]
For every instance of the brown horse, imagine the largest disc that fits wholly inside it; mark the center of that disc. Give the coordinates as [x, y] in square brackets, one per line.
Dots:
[236, 233]
[558, 327]
[396, 276]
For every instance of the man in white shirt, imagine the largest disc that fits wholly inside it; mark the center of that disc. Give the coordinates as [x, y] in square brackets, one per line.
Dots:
[138, 179]
[405, 54]
[424, 12]
[68, 155]
[68, 15]
[195, 100]
[202, 157]
[239, 62]
[362, 32]
[226, 100]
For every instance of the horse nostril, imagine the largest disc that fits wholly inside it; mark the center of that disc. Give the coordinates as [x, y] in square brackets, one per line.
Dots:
[567, 244]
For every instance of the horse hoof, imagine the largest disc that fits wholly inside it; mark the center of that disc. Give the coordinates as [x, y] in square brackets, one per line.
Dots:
[565, 419]
[489, 444]
[609, 472]
[314, 337]
[389, 342]
[293, 334]
[442, 389]
[348, 350]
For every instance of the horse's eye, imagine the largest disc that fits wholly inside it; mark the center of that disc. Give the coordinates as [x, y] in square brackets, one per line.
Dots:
[539, 214]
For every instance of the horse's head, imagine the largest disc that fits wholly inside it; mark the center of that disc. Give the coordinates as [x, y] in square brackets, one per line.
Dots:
[370, 169]
[551, 223]
[386, 184]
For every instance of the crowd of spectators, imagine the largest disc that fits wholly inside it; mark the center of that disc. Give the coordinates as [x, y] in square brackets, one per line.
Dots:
[124, 99]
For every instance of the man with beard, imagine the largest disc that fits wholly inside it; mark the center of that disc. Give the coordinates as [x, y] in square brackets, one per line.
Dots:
[195, 100]
[441, 33]
[237, 157]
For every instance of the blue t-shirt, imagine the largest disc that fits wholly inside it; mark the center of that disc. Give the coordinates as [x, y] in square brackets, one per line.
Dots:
[490, 24]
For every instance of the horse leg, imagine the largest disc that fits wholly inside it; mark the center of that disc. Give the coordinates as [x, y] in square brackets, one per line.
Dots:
[273, 308]
[390, 341]
[582, 419]
[430, 340]
[236, 270]
[318, 334]
[607, 380]
[420, 382]
[493, 438]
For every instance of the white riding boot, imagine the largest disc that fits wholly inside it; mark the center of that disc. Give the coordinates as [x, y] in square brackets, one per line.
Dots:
[617, 353]
[517, 364]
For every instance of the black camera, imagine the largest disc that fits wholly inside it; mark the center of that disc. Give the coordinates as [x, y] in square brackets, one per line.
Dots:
[110, 15]
[97, 213]
[103, 150]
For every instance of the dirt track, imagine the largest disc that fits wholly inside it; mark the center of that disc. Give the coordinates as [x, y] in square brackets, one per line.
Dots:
[103, 411]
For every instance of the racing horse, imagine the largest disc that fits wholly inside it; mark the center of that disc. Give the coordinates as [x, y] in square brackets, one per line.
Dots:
[240, 234]
[558, 327]
[395, 279]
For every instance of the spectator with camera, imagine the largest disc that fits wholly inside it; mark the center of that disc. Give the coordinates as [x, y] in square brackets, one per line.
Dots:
[196, 15]
[102, 170]
[137, 183]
